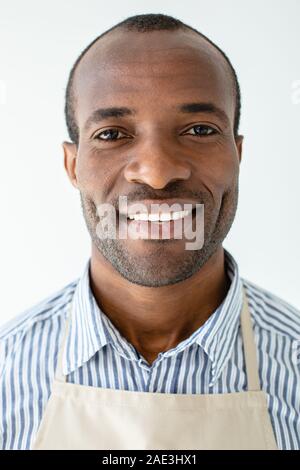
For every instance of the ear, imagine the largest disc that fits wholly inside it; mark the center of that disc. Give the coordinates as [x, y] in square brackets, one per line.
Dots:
[70, 161]
[239, 145]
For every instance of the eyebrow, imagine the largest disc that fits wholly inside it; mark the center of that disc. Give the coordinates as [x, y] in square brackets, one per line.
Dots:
[186, 108]
[104, 113]
[192, 108]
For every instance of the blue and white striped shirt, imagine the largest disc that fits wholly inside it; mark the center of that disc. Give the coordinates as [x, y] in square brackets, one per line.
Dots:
[209, 361]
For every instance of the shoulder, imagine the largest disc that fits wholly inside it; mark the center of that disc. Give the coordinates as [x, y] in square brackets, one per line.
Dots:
[272, 313]
[28, 352]
[41, 315]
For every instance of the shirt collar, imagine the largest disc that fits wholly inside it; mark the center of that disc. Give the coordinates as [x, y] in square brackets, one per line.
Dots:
[87, 333]
[218, 334]
[90, 329]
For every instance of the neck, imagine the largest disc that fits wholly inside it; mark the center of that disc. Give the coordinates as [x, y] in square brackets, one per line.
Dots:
[156, 319]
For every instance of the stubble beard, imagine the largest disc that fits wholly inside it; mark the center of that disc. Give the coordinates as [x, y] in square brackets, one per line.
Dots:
[160, 269]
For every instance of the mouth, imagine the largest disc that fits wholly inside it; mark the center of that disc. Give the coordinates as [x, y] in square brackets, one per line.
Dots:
[150, 209]
[163, 225]
[161, 217]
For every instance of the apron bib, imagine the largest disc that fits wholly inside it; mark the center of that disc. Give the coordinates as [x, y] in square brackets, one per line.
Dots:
[86, 417]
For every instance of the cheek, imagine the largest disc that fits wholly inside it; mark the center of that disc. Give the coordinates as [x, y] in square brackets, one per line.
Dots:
[94, 175]
[220, 171]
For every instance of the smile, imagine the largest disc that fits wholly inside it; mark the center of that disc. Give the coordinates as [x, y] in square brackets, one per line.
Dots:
[161, 217]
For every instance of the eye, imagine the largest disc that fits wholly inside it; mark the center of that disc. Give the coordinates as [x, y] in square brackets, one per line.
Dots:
[203, 130]
[108, 135]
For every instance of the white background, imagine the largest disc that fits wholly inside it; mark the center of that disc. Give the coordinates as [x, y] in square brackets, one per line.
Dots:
[44, 241]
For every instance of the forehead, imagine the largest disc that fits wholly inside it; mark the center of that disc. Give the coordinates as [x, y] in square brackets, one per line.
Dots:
[152, 72]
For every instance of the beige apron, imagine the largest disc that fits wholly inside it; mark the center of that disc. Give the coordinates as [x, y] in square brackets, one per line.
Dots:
[86, 417]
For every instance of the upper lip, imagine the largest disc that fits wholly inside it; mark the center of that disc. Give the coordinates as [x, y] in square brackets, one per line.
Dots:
[147, 203]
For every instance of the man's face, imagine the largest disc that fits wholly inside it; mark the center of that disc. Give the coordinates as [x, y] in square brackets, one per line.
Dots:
[158, 152]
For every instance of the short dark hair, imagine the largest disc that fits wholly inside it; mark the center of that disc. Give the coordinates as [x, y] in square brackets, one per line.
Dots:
[142, 24]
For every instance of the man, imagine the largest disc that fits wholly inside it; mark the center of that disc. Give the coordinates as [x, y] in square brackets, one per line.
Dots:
[155, 345]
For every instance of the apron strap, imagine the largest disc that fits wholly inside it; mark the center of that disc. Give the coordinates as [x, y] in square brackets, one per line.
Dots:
[253, 382]
[59, 369]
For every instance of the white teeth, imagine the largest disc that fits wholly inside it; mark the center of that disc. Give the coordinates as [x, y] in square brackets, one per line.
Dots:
[153, 217]
[142, 216]
[163, 217]
[180, 215]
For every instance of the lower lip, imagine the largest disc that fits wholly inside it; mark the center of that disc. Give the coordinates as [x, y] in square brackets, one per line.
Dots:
[160, 230]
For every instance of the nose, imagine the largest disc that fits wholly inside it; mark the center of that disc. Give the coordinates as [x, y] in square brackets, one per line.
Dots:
[156, 165]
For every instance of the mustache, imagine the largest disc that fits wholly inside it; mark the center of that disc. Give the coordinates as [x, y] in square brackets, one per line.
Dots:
[174, 190]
